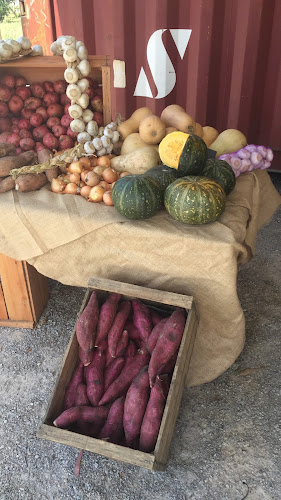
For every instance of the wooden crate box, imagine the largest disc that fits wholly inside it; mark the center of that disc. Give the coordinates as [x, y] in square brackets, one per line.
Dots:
[158, 459]
[23, 293]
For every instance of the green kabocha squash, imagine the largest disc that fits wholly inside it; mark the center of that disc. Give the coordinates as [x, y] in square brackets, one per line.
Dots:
[220, 171]
[195, 200]
[163, 175]
[137, 196]
[187, 153]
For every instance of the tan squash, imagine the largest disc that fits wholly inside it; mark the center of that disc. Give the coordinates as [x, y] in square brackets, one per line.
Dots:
[152, 129]
[169, 130]
[132, 124]
[198, 130]
[137, 162]
[131, 143]
[175, 116]
[209, 135]
[229, 141]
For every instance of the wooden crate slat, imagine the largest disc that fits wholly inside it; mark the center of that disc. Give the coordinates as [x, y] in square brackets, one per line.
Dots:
[37, 285]
[15, 289]
[3, 310]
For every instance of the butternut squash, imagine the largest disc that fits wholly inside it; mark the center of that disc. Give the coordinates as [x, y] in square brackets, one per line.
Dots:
[198, 130]
[209, 135]
[137, 162]
[169, 130]
[229, 141]
[175, 116]
[152, 129]
[132, 124]
[131, 143]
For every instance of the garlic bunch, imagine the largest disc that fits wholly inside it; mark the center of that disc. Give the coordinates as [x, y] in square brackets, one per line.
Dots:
[104, 138]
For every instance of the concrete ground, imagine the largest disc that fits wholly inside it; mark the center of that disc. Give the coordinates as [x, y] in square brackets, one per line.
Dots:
[226, 444]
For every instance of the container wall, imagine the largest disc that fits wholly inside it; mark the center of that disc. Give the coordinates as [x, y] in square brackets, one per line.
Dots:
[38, 22]
[220, 60]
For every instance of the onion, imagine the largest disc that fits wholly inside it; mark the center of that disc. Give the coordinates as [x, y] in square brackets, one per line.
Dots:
[85, 191]
[107, 198]
[71, 188]
[75, 167]
[110, 175]
[103, 161]
[57, 185]
[96, 194]
[91, 178]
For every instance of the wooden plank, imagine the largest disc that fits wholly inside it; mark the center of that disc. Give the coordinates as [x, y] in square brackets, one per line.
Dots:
[106, 94]
[17, 323]
[141, 292]
[38, 290]
[15, 289]
[3, 310]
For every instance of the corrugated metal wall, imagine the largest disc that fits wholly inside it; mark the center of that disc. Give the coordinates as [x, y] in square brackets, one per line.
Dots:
[226, 72]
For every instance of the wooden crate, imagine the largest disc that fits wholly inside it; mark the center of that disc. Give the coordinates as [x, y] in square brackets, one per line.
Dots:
[23, 293]
[158, 459]
[51, 68]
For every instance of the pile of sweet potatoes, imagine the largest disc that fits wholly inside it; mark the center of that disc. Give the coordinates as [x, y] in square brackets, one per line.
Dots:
[127, 354]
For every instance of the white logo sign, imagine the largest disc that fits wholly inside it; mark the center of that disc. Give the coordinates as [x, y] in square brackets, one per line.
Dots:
[160, 64]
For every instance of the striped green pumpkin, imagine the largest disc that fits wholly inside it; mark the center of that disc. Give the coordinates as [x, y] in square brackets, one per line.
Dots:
[195, 200]
[220, 171]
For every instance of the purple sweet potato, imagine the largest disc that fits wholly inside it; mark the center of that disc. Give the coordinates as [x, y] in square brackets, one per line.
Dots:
[87, 323]
[102, 347]
[152, 418]
[135, 405]
[155, 317]
[117, 326]
[142, 319]
[107, 314]
[86, 357]
[122, 344]
[68, 417]
[70, 393]
[167, 344]
[113, 428]
[134, 333]
[168, 367]
[155, 334]
[113, 371]
[131, 350]
[94, 374]
[96, 415]
[120, 385]
[81, 398]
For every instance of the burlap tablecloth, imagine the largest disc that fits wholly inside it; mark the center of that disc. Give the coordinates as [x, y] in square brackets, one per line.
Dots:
[70, 240]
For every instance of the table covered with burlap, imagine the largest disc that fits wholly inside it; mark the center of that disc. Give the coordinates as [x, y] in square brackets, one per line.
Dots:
[68, 239]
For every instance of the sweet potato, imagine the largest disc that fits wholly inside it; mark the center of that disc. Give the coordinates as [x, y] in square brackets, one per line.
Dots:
[133, 332]
[86, 357]
[86, 324]
[107, 314]
[112, 371]
[85, 413]
[131, 350]
[117, 326]
[152, 418]
[142, 319]
[70, 393]
[7, 149]
[81, 398]
[156, 316]
[122, 344]
[113, 428]
[44, 155]
[94, 374]
[155, 333]
[167, 344]
[9, 162]
[135, 405]
[120, 385]
[102, 346]
[30, 182]
[68, 417]
[7, 184]
[167, 368]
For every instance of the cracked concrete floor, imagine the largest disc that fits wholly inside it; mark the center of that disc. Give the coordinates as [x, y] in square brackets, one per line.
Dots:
[226, 444]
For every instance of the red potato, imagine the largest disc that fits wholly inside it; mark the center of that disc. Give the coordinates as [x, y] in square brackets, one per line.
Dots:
[55, 109]
[90, 92]
[94, 374]
[20, 80]
[87, 323]
[152, 418]
[92, 83]
[15, 120]
[14, 139]
[15, 104]
[122, 344]
[66, 108]
[65, 142]
[58, 130]
[71, 390]
[167, 344]
[86, 357]
[39, 146]
[51, 98]
[81, 398]
[71, 134]
[4, 110]
[24, 123]
[112, 430]
[117, 326]
[15, 129]
[50, 141]
[66, 120]
[26, 113]
[43, 112]
[120, 385]
[7, 184]
[107, 314]
[23, 92]
[85, 413]
[48, 86]
[37, 90]
[4, 137]
[155, 334]
[134, 333]
[32, 103]
[113, 371]
[60, 86]
[99, 91]
[97, 103]
[24, 133]
[64, 100]
[39, 132]
[8, 80]
[98, 117]
[52, 121]
[5, 93]
[142, 319]
[27, 144]
[36, 120]
[5, 124]
[135, 405]
[19, 151]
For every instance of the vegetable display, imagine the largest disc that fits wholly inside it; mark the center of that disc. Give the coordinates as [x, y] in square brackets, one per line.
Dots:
[121, 399]
[187, 153]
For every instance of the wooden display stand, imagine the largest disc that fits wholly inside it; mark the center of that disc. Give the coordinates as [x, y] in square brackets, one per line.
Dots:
[23, 293]
[51, 68]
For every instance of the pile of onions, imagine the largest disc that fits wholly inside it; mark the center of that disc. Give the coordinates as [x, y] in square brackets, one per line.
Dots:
[249, 158]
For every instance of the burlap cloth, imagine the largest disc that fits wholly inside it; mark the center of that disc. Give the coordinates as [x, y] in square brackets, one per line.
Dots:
[70, 240]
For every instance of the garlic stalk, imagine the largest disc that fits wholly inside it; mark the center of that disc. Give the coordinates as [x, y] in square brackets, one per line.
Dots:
[71, 75]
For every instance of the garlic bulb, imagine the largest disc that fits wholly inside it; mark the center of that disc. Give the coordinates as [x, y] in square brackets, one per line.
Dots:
[105, 141]
[15, 46]
[54, 47]
[83, 137]
[83, 101]
[38, 49]
[87, 115]
[77, 125]
[89, 148]
[73, 91]
[68, 44]
[109, 149]
[83, 84]
[97, 143]
[71, 75]
[108, 132]
[79, 44]
[75, 111]
[101, 130]
[84, 67]
[82, 52]
[92, 128]
[5, 50]
[24, 42]
[101, 152]
[115, 137]
[112, 126]
[70, 55]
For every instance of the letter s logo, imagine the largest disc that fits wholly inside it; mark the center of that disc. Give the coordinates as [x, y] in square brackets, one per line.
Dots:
[160, 64]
